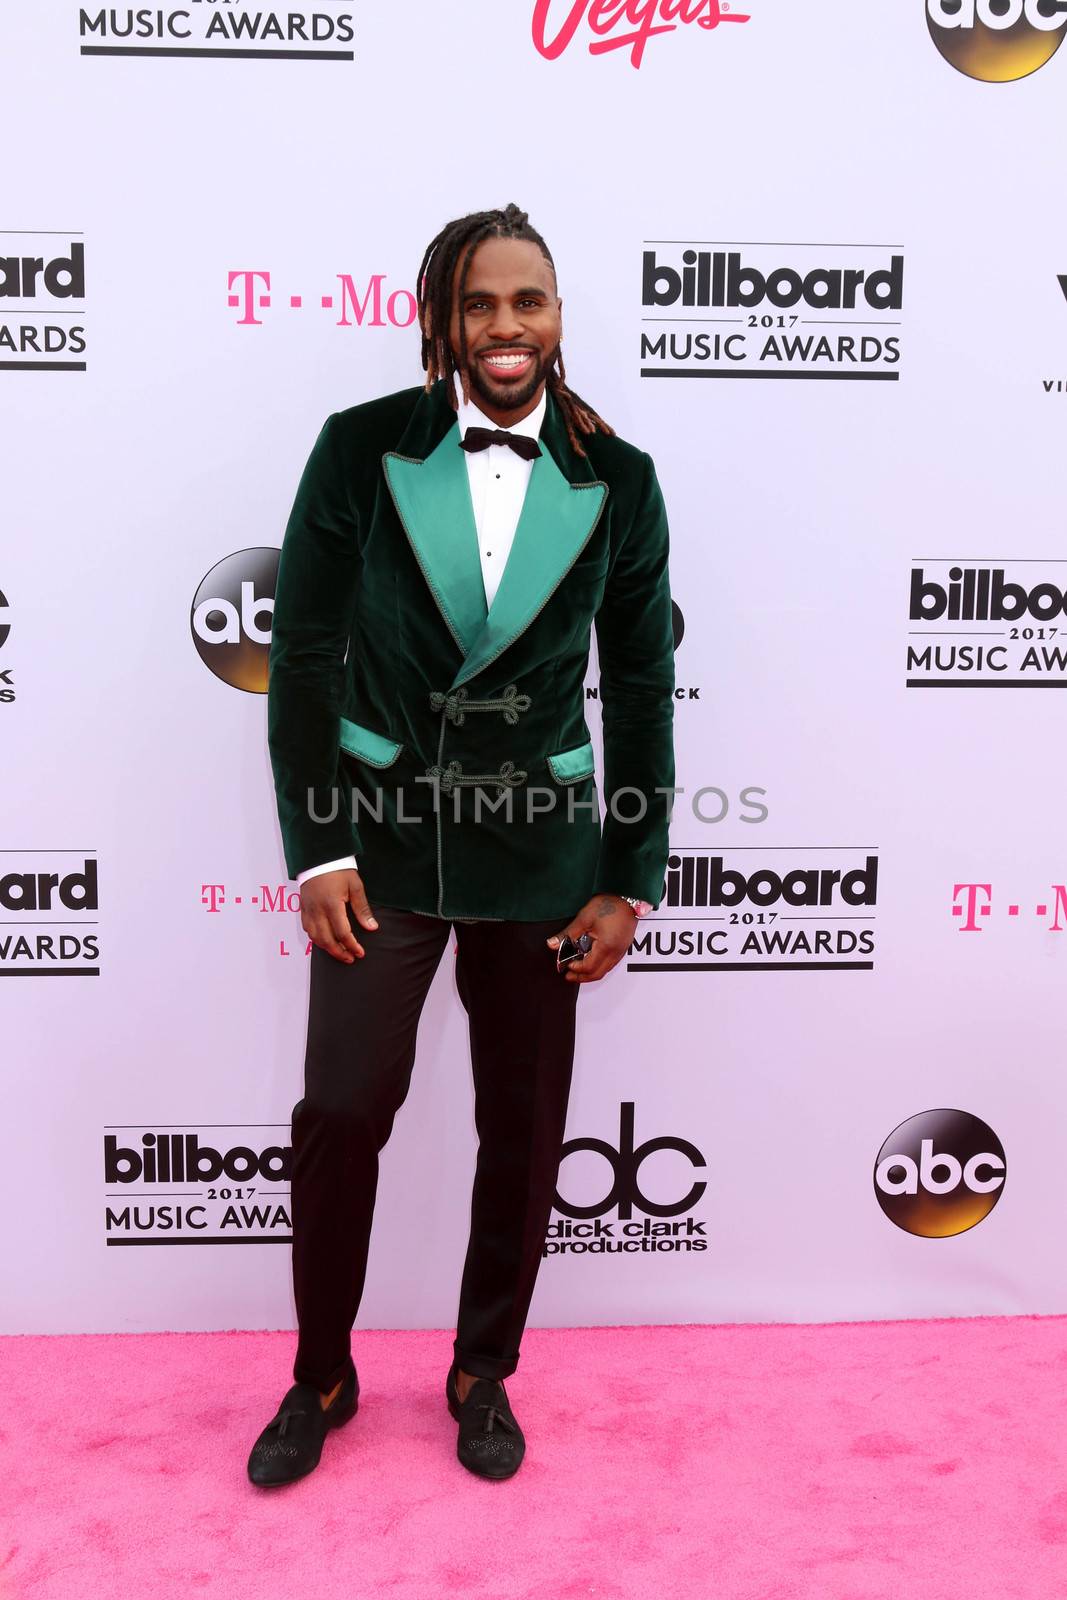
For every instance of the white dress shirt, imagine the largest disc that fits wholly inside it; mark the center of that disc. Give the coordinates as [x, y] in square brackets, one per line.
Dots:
[498, 479]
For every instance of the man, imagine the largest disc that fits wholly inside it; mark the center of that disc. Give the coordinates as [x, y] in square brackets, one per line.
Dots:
[448, 552]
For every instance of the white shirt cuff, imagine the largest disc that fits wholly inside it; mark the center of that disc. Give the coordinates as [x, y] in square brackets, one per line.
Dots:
[346, 862]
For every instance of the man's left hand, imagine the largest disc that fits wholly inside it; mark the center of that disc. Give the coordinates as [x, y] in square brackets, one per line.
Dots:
[611, 923]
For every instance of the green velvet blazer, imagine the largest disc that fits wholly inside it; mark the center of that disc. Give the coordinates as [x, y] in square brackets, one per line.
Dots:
[446, 745]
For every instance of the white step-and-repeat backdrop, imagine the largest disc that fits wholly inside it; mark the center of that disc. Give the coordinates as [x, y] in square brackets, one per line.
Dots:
[813, 258]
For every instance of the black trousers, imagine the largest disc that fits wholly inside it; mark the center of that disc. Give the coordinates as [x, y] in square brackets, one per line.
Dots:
[362, 1025]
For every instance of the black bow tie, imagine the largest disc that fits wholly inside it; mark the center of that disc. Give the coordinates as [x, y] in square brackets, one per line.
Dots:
[482, 438]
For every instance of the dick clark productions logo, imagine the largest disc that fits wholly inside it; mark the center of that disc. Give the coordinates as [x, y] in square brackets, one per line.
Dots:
[939, 1173]
[7, 687]
[581, 1230]
[231, 617]
[997, 41]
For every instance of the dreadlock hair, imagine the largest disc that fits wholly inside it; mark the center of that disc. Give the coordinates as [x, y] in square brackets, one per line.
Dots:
[434, 301]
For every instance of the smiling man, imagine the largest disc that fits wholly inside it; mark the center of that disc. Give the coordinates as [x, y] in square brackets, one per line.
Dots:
[450, 549]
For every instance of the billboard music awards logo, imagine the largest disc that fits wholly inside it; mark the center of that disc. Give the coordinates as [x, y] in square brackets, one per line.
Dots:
[762, 909]
[727, 310]
[231, 617]
[940, 1173]
[615, 1182]
[997, 41]
[212, 1184]
[7, 684]
[49, 901]
[622, 24]
[41, 275]
[987, 624]
[367, 303]
[229, 29]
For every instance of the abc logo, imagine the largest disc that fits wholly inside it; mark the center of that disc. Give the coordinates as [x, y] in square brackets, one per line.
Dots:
[939, 1173]
[677, 623]
[997, 41]
[5, 626]
[231, 618]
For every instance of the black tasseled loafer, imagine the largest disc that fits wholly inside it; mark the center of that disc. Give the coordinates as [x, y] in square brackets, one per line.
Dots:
[490, 1442]
[290, 1445]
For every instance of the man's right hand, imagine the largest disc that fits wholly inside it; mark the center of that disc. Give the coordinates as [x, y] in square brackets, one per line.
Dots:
[323, 913]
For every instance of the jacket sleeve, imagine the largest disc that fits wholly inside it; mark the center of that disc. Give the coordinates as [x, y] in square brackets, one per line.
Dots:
[635, 644]
[313, 608]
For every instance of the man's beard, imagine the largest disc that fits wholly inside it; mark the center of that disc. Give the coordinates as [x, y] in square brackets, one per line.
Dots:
[509, 397]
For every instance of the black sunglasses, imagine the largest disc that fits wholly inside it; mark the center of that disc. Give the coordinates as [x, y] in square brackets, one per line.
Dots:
[573, 949]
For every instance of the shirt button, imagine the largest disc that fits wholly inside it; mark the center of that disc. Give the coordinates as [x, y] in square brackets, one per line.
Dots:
[498, 474]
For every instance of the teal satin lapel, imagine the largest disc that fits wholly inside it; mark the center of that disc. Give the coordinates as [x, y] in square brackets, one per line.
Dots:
[433, 502]
[557, 521]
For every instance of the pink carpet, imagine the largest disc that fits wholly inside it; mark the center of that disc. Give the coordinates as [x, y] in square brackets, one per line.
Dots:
[856, 1461]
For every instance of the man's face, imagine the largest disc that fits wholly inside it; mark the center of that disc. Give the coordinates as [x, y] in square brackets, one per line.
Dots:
[513, 324]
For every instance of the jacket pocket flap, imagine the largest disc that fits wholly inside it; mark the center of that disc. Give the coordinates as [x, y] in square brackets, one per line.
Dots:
[567, 766]
[373, 748]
